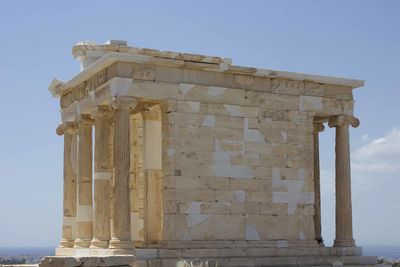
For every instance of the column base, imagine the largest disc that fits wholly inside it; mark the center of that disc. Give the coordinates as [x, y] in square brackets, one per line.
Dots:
[81, 243]
[320, 242]
[65, 243]
[344, 243]
[97, 243]
[117, 244]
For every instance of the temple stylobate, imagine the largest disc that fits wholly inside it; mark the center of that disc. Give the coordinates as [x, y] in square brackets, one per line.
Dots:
[173, 155]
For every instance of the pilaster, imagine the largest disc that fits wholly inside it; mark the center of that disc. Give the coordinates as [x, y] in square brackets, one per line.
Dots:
[152, 173]
[318, 127]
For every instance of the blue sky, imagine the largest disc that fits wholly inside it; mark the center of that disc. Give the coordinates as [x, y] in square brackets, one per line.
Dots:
[356, 39]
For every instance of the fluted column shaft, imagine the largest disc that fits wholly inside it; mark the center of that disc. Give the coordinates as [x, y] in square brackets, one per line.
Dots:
[70, 186]
[121, 228]
[103, 169]
[344, 223]
[85, 204]
[318, 127]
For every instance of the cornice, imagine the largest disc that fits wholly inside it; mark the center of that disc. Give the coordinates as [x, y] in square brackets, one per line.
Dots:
[56, 87]
[118, 53]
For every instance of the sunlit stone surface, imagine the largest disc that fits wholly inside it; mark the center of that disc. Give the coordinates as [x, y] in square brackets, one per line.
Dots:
[196, 158]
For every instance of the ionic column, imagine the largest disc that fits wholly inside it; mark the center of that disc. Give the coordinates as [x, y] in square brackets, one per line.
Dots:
[344, 224]
[318, 127]
[70, 188]
[103, 169]
[121, 228]
[84, 218]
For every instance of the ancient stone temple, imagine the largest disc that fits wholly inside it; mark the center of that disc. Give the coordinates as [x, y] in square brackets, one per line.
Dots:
[172, 155]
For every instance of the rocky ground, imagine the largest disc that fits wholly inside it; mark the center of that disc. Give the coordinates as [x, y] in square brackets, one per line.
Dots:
[34, 259]
[393, 262]
[23, 259]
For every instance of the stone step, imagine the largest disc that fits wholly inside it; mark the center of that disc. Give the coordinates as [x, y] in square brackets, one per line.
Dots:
[273, 261]
[151, 253]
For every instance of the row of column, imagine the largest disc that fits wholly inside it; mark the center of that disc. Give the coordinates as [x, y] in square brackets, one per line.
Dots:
[108, 226]
[344, 223]
[102, 225]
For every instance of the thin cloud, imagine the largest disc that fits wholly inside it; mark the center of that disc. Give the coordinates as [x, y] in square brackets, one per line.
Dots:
[379, 155]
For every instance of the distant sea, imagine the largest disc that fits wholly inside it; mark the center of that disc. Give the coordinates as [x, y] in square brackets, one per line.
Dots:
[26, 251]
[389, 252]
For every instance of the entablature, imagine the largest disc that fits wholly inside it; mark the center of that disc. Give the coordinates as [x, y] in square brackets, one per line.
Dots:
[120, 70]
[108, 54]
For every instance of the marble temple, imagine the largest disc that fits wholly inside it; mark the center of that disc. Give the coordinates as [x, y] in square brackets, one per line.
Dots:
[172, 155]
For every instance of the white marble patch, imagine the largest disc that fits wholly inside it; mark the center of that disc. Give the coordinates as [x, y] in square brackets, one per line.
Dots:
[252, 135]
[282, 243]
[302, 174]
[219, 146]
[276, 173]
[215, 91]
[186, 236]
[194, 208]
[233, 171]
[252, 233]
[222, 158]
[137, 226]
[240, 195]
[185, 88]
[195, 219]
[209, 121]
[233, 110]
[120, 86]
[301, 235]
[293, 199]
[171, 151]
[310, 103]
[284, 136]
[294, 186]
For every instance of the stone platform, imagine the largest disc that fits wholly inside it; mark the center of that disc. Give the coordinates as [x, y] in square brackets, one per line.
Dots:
[239, 256]
[316, 257]
[98, 261]
[257, 256]
[230, 253]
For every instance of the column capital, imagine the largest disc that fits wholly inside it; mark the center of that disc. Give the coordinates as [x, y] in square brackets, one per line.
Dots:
[102, 111]
[318, 127]
[343, 120]
[66, 127]
[84, 119]
[123, 102]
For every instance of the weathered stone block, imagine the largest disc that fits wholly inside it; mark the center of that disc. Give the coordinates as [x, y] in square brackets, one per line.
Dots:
[93, 261]
[218, 227]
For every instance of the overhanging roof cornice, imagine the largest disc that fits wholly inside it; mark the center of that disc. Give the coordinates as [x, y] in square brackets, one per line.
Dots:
[113, 57]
